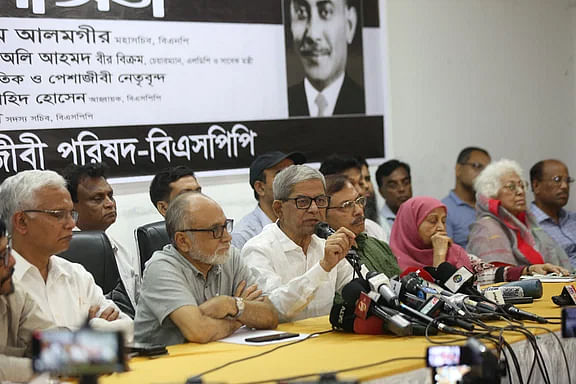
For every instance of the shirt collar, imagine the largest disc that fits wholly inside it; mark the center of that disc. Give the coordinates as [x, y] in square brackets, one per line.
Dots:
[456, 199]
[330, 93]
[262, 216]
[542, 216]
[286, 243]
[387, 212]
[22, 267]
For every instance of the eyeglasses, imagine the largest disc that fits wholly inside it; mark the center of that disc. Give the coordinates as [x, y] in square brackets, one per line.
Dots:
[58, 214]
[304, 202]
[217, 230]
[475, 165]
[514, 187]
[350, 204]
[559, 179]
[5, 254]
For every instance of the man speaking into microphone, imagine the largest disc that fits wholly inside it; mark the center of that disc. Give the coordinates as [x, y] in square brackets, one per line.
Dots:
[300, 271]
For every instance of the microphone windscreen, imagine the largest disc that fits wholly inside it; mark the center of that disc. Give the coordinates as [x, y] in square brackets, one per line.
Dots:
[531, 287]
[351, 291]
[372, 325]
[342, 318]
[323, 230]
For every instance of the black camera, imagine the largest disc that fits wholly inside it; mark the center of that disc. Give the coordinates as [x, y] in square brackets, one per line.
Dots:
[82, 353]
[472, 363]
[569, 322]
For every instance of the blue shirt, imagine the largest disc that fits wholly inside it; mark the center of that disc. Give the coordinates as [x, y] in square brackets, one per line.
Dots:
[250, 226]
[563, 233]
[460, 216]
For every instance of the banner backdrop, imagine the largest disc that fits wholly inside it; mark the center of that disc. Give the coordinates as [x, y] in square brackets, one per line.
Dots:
[144, 84]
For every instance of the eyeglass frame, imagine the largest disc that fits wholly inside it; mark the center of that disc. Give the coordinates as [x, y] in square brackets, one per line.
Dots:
[311, 199]
[352, 204]
[6, 253]
[56, 213]
[513, 186]
[221, 227]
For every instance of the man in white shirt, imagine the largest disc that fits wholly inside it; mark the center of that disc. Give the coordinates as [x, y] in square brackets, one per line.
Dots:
[395, 186]
[19, 317]
[39, 214]
[299, 271]
[94, 201]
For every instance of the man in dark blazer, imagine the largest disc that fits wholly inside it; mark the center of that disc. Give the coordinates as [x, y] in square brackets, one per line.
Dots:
[322, 31]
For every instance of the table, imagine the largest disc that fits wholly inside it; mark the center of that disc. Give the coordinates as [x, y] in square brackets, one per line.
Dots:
[328, 352]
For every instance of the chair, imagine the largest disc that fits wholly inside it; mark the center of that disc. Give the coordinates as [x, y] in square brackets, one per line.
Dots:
[92, 249]
[151, 238]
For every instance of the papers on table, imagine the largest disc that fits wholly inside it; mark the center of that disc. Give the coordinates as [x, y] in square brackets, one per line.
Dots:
[551, 278]
[241, 334]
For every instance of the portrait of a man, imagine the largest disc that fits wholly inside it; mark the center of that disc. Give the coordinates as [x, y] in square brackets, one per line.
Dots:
[320, 35]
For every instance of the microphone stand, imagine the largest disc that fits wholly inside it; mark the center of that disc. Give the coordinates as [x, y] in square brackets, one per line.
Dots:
[354, 260]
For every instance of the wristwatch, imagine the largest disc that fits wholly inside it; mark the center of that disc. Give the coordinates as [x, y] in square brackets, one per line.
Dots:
[239, 307]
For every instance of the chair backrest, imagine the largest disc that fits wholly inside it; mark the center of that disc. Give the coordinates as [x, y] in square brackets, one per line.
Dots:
[93, 250]
[151, 238]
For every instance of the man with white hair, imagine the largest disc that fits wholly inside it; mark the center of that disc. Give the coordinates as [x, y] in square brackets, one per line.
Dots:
[39, 214]
[19, 317]
[300, 271]
[198, 288]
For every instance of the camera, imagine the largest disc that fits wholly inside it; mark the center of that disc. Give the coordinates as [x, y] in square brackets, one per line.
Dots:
[569, 322]
[82, 353]
[472, 363]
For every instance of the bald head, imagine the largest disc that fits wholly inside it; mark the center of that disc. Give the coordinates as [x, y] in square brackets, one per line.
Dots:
[187, 209]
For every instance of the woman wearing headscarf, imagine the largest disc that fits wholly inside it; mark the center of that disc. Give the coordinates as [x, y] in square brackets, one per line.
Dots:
[419, 239]
[505, 233]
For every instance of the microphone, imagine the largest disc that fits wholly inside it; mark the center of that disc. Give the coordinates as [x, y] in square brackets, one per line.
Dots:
[530, 288]
[354, 294]
[522, 315]
[567, 297]
[343, 319]
[323, 231]
[455, 280]
[380, 283]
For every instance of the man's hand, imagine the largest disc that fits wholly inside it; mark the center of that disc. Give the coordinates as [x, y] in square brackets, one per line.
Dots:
[337, 247]
[543, 269]
[109, 314]
[440, 242]
[219, 307]
[248, 293]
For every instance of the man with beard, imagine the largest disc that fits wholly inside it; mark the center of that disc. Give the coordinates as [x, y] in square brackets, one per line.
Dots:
[197, 288]
[322, 31]
[550, 182]
[461, 202]
[19, 317]
[347, 210]
[94, 201]
[300, 271]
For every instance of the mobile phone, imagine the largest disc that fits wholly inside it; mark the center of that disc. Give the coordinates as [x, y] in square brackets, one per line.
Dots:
[277, 336]
[569, 322]
[147, 349]
[78, 353]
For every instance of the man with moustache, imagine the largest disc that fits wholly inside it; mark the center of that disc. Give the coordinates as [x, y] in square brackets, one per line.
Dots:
[19, 317]
[40, 217]
[94, 201]
[300, 271]
[550, 182]
[262, 172]
[461, 202]
[197, 288]
[346, 209]
[321, 31]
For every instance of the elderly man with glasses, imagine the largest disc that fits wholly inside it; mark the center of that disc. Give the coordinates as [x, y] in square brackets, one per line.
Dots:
[19, 317]
[346, 210]
[551, 186]
[197, 288]
[300, 271]
[38, 211]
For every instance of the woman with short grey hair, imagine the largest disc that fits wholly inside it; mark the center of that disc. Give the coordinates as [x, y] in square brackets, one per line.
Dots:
[505, 233]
